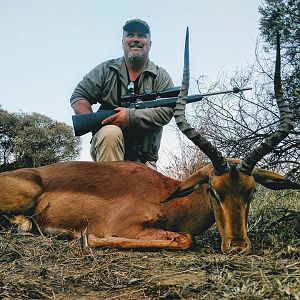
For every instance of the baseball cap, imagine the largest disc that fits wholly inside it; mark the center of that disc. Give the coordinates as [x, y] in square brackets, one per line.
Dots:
[137, 24]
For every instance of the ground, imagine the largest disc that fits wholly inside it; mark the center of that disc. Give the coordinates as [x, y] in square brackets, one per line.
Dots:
[37, 267]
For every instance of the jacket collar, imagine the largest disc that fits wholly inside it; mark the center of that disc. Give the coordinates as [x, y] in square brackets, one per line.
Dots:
[119, 65]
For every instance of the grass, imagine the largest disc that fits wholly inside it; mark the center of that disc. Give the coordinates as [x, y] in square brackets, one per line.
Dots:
[36, 267]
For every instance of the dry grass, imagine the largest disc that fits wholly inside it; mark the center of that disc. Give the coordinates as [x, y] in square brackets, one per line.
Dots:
[36, 267]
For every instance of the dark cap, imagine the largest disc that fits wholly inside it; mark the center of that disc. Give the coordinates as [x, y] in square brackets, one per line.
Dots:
[137, 24]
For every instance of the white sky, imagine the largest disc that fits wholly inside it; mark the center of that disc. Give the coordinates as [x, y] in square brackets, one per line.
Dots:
[46, 47]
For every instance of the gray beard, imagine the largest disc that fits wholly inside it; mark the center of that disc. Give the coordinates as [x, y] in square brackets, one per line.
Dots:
[137, 61]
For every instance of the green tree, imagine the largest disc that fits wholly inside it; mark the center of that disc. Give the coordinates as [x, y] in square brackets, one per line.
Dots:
[31, 140]
[284, 16]
[7, 134]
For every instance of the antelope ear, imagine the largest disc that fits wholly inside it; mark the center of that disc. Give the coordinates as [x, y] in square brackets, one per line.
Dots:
[190, 184]
[273, 180]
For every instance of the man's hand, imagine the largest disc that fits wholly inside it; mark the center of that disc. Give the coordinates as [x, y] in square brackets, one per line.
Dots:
[119, 119]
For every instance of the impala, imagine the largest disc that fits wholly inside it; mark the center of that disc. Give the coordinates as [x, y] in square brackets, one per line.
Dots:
[128, 205]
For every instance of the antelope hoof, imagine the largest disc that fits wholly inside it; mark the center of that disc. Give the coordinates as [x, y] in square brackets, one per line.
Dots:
[23, 224]
[25, 227]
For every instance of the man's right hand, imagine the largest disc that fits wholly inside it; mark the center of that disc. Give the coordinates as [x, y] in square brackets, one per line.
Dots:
[119, 119]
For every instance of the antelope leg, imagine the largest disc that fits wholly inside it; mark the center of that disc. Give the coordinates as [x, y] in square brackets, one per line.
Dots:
[167, 240]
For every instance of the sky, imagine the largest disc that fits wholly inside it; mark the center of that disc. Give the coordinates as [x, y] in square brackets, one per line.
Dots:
[46, 47]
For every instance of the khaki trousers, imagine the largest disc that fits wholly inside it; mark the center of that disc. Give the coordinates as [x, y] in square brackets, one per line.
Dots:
[108, 145]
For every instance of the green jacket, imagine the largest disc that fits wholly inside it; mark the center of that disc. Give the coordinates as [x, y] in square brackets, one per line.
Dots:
[143, 129]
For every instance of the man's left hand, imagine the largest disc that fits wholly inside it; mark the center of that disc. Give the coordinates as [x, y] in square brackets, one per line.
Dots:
[119, 119]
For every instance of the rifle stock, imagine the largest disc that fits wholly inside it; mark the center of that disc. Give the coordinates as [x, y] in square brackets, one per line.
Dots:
[84, 123]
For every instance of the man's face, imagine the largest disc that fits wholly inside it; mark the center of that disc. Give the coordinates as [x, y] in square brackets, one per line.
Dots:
[136, 45]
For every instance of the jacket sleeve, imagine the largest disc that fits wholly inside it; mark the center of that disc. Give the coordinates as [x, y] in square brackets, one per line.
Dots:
[90, 86]
[152, 118]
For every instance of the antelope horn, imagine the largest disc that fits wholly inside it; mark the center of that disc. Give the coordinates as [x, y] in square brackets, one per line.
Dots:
[218, 161]
[286, 122]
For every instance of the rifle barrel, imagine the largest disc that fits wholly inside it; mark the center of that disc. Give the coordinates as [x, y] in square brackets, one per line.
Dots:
[171, 102]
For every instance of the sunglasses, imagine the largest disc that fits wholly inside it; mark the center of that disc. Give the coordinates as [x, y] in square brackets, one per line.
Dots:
[130, 87]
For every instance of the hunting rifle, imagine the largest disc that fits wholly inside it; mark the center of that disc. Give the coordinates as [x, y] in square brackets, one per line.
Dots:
[84, 123]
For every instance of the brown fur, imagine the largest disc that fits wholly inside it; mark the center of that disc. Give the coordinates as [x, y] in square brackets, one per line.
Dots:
[121, 204]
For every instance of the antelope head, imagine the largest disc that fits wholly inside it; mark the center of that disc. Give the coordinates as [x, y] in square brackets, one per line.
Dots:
[231, 182]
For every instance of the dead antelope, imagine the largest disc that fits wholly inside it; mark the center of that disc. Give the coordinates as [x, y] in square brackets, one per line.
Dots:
[128, 205]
